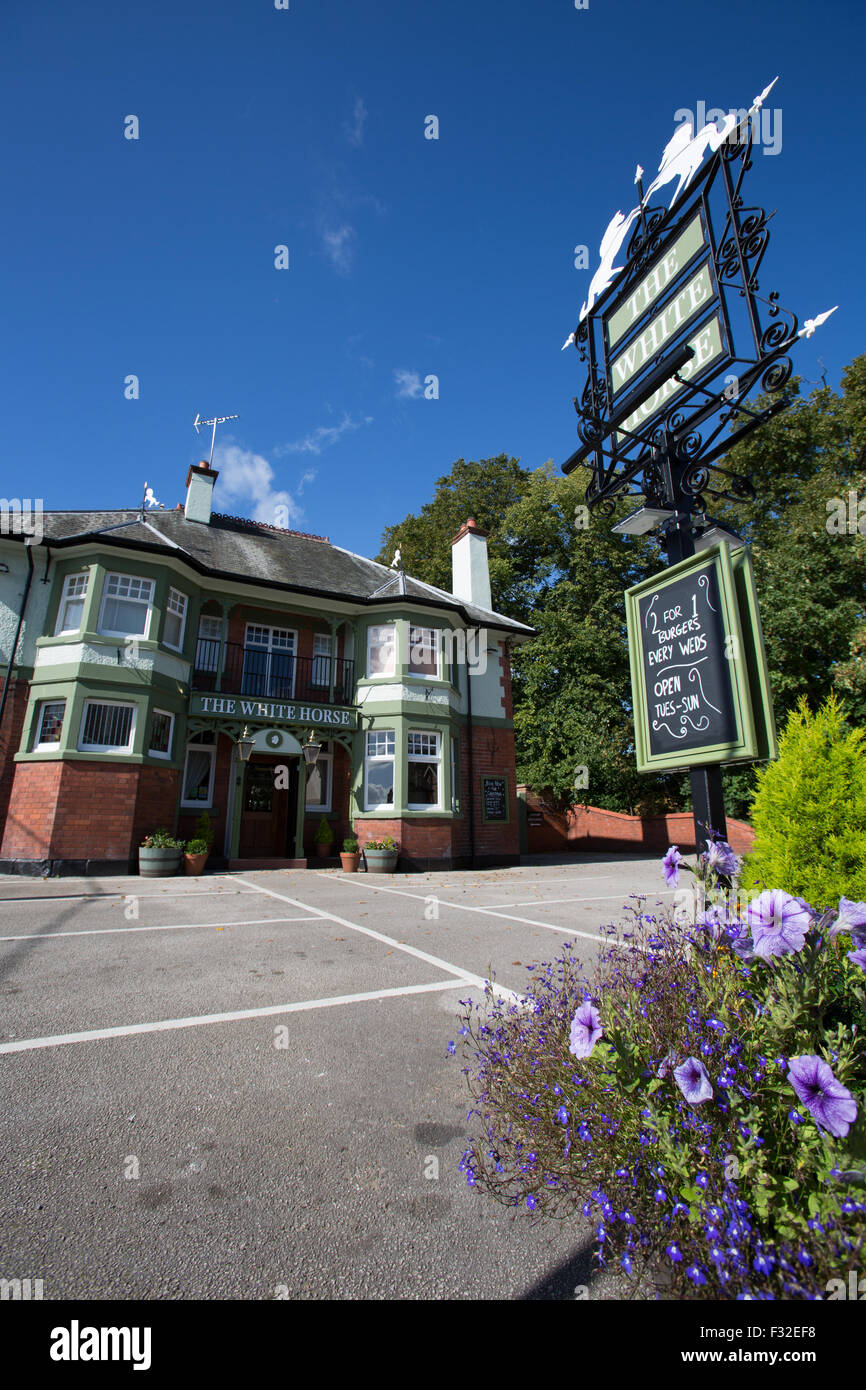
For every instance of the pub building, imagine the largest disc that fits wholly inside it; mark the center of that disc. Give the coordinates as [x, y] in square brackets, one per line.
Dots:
[159, 664]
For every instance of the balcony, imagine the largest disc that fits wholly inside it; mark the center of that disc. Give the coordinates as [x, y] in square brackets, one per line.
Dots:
[272, 675]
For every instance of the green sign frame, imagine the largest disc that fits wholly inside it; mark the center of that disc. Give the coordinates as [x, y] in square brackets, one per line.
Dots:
[734, 649]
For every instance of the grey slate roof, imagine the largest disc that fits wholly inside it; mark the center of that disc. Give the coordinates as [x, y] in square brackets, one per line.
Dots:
[233, 548]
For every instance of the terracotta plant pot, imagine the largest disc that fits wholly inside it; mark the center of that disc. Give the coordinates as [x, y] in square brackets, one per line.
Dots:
[350, 862]
[194, 863]
[323, 851]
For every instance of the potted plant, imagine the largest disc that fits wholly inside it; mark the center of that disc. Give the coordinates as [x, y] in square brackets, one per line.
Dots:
[195, 856]
[324, 839]
[159, 855]
[381, 855]
[350, 856]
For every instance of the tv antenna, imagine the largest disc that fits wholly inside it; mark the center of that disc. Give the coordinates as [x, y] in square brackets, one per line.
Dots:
[217, 420]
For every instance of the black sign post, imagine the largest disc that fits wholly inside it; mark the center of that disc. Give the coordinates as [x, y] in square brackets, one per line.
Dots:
[674, 341]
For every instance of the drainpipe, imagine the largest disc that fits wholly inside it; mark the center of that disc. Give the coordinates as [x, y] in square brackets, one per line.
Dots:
[471, 771]
[17, 631]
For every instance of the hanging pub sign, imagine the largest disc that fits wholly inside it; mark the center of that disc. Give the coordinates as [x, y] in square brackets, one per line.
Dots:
[699, 677]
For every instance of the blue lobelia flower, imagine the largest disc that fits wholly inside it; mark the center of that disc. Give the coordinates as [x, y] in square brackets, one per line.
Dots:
[828, 1102]
[562, 1115]
[693, 1081]
[586, 1029]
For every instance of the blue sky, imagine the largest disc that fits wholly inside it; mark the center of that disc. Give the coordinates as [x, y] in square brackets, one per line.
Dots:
[408, 257]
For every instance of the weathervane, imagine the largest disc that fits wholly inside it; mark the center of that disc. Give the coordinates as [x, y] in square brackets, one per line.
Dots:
[216, 420]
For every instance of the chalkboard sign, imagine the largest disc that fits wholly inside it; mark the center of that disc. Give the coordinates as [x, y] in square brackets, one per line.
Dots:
[687, 673]
[495, 799]
[695, 665]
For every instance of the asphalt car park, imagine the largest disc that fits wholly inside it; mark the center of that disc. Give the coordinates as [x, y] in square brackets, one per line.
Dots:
[239, 1086]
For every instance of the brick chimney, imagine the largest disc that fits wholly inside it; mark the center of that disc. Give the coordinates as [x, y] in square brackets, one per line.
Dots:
[469, 566]
[199, 492]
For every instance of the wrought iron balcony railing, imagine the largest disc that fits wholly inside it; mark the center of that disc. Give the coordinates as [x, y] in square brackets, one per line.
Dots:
[272, 675]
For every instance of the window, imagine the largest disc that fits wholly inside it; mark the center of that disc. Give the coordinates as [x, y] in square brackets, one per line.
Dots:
[269, 662]
[49, 724]
[71, 603]
[379, 769]
[126, 606]
[381, 650]
[161, 726]
[207, 651]
[107, 728]
[322, 646]
[175, 620]
[198, 771]
[455, 797]
[423, 790]
[320, 781]
[424, 651]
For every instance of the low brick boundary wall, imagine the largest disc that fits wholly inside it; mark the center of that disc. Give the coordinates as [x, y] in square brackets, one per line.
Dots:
[583, 829]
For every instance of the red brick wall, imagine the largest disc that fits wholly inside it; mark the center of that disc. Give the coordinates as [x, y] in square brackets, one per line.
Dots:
[86, 810]
[30, 817]
[10, 740]
[493, 755]
[592, 828]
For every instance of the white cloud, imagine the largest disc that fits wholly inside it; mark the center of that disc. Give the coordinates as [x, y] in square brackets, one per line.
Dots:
[355, 128]
[337, 244]
[322, 438]
[246, 480]
[409, 386]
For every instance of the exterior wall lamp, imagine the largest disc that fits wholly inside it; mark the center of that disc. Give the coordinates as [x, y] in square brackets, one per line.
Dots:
[245, 745]
[311, 750]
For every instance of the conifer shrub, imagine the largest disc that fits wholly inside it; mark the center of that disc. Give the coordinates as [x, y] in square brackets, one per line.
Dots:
[809, 809]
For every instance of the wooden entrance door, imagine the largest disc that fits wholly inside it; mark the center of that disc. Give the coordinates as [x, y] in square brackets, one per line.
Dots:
[269, 812]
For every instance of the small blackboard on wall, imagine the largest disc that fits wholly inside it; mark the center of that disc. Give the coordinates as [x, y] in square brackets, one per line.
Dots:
[494, 800]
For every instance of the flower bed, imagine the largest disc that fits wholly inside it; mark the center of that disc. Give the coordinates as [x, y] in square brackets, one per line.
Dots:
[700, 1098]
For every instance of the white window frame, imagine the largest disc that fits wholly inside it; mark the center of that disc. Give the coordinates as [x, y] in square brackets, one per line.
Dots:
[322, 639]
[377, 628]
[68, 596]
[177, 613]
[426, 759]
[108, 747]
[272, 651]
[437, 652]
[325, 760]
[390, 755]
[107, 595]
[157, 753]
[43, 747]
[213, 655]
[193, 747]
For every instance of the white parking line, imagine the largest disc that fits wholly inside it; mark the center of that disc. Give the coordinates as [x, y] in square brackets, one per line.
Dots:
[171, 926]
[466, 975]
[166, 1025]
[552, 902]
[490, 911]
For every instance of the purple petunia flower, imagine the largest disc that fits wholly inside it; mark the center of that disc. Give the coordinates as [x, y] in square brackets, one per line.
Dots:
[778, 924]
[665, 1066]
[826, 1099]
[671, 866]
[850, 918]
[721, 858]
[693, 1081]
[859, 958]
[586, 1029]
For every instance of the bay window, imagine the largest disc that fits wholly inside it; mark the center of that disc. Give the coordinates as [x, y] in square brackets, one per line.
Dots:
[382, 650]
[71, 607]
[107, 727]
[379, 769]
[424, 758]
[175, 620]
[126, 606]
